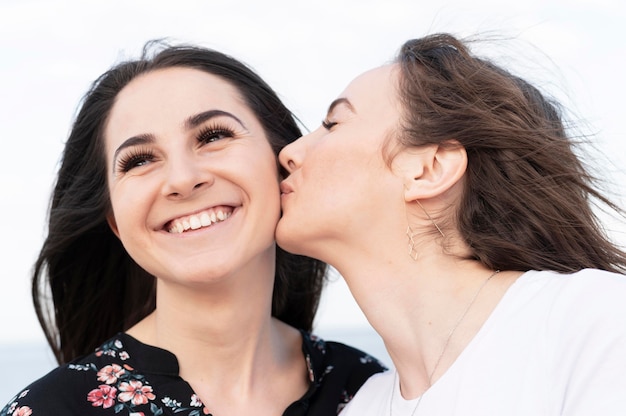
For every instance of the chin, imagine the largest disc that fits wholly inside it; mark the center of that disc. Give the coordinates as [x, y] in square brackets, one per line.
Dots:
[289, 239]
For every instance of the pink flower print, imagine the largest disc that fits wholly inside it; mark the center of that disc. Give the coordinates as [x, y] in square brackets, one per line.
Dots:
[22, 411]
[135, 392]
[124, 356]
[110, 373]
[103, 396]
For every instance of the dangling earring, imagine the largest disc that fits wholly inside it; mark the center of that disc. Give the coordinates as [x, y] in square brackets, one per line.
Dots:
[431, 219]
[413, 253]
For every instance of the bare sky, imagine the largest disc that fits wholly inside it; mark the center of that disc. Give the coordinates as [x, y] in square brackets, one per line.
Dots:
[52, 50]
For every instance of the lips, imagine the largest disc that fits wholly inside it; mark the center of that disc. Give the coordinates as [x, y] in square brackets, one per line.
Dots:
[202, 219]
[285, 188]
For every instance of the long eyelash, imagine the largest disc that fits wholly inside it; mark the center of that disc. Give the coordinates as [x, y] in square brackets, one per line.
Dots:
[208, 133]
[328, 124]
[129, 160]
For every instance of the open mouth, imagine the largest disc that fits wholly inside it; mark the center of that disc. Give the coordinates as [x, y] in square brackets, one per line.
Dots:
[199, 220]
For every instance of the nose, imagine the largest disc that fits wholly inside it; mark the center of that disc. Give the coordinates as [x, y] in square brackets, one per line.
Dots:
[292, 155]
[185, 176]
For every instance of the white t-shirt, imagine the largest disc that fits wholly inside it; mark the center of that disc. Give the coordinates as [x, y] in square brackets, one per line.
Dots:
[554, 345]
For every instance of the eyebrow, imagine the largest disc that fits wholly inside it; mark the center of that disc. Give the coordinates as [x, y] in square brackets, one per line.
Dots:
[190, 123]
[339, 101]
[197, 119]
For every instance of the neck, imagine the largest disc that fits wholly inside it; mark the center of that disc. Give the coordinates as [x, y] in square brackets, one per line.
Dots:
[222, 320]
[414, 305]
[226, 342]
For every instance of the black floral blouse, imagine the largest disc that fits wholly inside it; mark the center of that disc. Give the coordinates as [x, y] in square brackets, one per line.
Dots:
[126, 377]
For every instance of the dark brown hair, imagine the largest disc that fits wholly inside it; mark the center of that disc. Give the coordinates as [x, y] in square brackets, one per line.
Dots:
[527, 203]
[95, 287]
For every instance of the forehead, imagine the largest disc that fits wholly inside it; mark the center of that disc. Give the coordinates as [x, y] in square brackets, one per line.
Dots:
[374, 90]
[167, 95]
[177, 83]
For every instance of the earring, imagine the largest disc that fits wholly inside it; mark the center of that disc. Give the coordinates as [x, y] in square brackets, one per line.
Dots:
[431, 219]
[412, 252]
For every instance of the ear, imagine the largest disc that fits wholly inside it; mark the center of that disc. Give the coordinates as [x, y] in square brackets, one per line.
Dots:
[431, 170]
[113, 224]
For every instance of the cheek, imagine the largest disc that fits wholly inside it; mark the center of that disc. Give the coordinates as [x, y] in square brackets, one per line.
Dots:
[127, 205]
[345, 183]
[256, 174]
[329, 172]
[262, 173]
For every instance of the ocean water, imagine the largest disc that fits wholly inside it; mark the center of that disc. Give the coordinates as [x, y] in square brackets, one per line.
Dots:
[24, 363]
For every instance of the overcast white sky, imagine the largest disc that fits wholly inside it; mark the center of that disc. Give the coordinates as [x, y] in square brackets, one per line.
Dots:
[52, 50]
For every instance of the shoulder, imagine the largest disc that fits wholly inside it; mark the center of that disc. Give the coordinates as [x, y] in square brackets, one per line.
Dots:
[574, 315]
[339, 356]
[591, 290]
[58, 392]
[585, 332]
[585, 288]
[337, 370]
[582, 278]
[591, 302]
[569, 303]
[73, 388]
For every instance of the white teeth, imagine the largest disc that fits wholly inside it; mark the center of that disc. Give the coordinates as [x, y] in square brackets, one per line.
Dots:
[195, 222]
[205, 220]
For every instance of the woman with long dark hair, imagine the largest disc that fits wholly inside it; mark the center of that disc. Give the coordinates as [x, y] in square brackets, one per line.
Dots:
[159, 286]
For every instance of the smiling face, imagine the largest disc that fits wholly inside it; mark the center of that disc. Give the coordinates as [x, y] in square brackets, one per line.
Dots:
[192, 178]
[340, 184]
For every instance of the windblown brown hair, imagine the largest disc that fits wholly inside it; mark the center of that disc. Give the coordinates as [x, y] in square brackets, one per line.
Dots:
[527, 203]
[85, 286]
